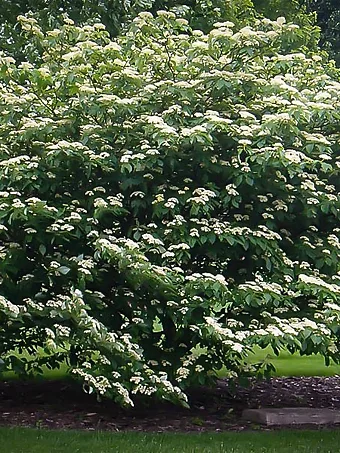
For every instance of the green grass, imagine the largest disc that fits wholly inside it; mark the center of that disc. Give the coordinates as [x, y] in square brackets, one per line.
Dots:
[50, 375]
[287, 364]
[23, 440]
[58, 373]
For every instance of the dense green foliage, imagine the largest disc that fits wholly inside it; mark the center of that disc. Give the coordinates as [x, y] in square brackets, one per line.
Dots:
[293, 10]
[324, 13]
[111, 12]
[328, 19]
[201, 14]
[168, 200]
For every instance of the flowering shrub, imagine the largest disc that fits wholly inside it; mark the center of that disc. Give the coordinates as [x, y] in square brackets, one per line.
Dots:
[169, 199]
[117, 14]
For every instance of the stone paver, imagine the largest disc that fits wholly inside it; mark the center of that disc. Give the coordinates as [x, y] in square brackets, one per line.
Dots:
[292, 416]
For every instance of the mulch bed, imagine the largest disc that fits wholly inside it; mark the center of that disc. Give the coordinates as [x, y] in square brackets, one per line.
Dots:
[63, 405]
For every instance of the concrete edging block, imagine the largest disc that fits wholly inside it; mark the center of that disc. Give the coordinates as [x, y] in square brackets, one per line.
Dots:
[292, 416]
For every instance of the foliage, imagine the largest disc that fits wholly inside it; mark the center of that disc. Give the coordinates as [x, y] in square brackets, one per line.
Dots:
[111, 12]
[201, 14]
[328, 19]
[293, 10]
[50, 13]
[168, 200]
[324, 13]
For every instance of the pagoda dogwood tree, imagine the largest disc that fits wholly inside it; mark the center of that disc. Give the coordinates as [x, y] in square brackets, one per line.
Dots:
[169, 199]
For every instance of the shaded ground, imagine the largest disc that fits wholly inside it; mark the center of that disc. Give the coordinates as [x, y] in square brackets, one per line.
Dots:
[63, 405]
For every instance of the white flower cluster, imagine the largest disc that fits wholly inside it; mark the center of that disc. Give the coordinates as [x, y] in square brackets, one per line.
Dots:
[319, 282]
[9, 309]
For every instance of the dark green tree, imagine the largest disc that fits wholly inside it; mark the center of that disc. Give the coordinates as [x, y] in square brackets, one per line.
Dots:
[328, 19]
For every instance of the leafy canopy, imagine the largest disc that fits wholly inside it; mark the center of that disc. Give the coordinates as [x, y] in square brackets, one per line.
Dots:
[169, 199]
[328, 19]
[115, 14]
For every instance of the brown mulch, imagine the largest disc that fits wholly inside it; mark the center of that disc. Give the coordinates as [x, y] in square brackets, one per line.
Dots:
[63, 405]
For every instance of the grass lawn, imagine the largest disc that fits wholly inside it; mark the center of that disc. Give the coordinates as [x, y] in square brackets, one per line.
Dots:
[22, 440]
[50, 375]
[287, 364]
[25, 440]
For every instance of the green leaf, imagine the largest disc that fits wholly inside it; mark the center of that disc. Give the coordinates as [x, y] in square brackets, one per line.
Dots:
[64, 270]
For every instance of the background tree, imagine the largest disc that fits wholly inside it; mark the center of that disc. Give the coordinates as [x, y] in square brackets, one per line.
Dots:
[328, 19]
